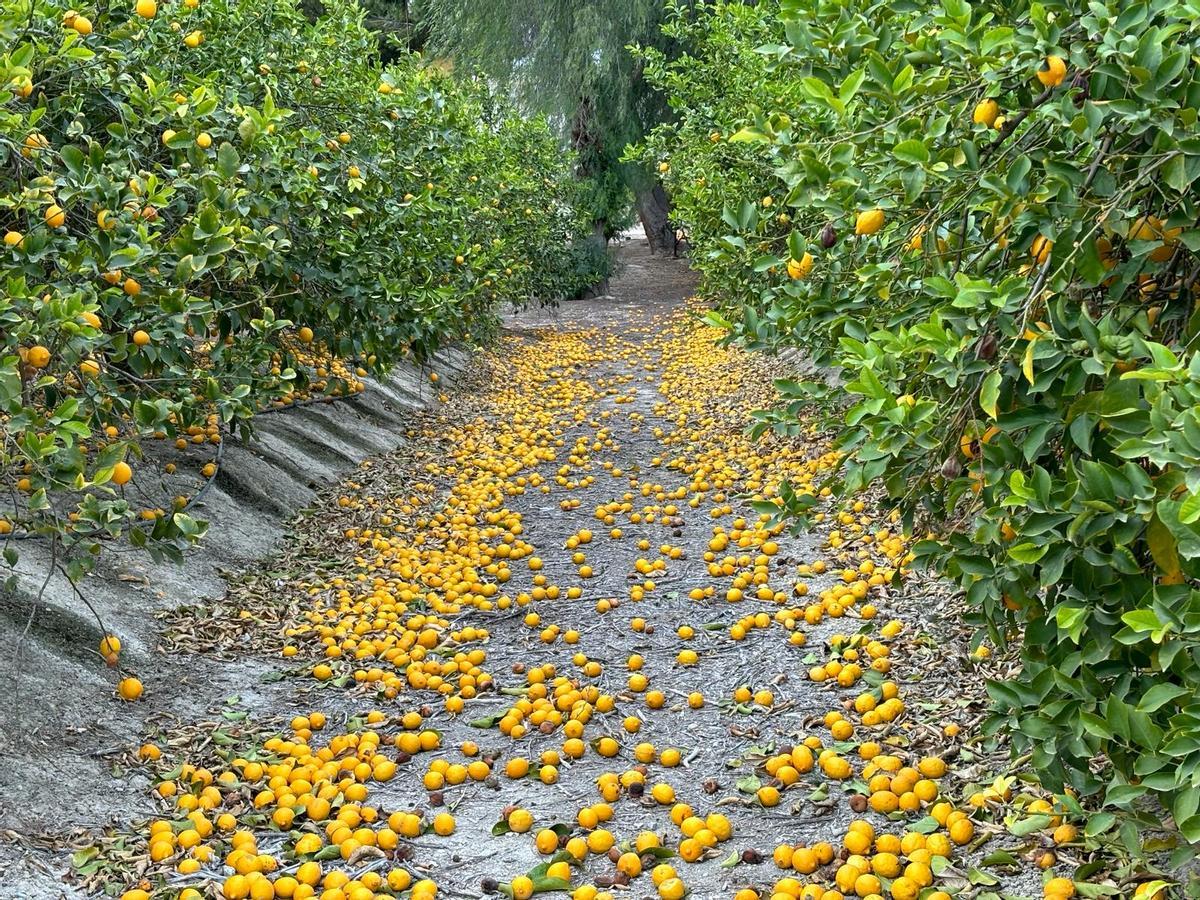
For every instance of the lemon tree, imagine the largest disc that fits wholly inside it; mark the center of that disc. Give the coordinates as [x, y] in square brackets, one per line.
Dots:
[984, 217]
[212, 207]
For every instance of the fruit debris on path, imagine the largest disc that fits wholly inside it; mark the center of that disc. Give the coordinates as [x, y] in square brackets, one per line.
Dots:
[561, 650]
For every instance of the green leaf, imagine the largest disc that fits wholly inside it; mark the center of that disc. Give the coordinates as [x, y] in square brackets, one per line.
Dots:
[73, 159]
[716, 320]
[1160, 695]
[748, 784]
[749, 135]
[851, 84]
[1190, 829]
[80, 857]
[660, 852]
[1071, 619]
[227, 160]
[1093, 891]
[903, 80]
[911, 151]
[544, 884]
[767, 262]
[978, 876]
[1027, 552]
[926, 825]
[1175, 173]
[995, 38]
[1029, 825]
[1162, 546]
[999, 858]
[124, 257]
[989, 393]
[1099, 823]
[1142, 620]
[796, 245]
[1122, 795]
[1189, 509]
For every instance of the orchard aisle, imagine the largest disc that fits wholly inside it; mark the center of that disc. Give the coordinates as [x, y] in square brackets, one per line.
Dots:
[551, 646]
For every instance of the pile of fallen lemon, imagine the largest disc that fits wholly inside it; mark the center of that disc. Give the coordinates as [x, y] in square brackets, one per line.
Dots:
[433, 572]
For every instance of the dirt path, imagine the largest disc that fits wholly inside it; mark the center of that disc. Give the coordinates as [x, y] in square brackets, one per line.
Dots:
[562, 573]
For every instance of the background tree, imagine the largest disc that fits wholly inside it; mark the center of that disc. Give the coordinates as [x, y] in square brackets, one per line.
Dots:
[394, 21]
[569, 60]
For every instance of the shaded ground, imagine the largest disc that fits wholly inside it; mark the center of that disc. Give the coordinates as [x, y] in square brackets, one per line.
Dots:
[602, 400]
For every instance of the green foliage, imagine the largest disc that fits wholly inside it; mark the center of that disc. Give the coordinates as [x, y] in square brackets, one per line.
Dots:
[1018, 337]
[229, 172]
[570, 61]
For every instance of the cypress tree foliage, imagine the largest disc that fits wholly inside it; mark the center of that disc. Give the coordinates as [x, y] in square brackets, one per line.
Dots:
[568, 59]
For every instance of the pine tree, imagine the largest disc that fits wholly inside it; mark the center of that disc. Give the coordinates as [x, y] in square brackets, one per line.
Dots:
[568, 59]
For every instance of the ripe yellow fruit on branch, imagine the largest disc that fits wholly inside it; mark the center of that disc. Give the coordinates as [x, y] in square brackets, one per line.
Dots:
[110, 647]
[147, 9]
[1053, 72]
[799, 268]
[986, 112]
[869, 222]
[1145, 228]
[33, 143]
[122, 473]
[38, 357]
[1040, 249]
[193, 39]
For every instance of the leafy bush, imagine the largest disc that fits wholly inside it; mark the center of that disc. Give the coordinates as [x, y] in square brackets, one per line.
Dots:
[207, 204]
[985, 216]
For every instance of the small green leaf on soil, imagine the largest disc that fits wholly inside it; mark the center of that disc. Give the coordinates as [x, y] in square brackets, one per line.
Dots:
[748, 784]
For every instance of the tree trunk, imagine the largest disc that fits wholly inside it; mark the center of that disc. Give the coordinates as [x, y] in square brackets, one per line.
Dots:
[600, 238]
[654, 209]
[585, 140]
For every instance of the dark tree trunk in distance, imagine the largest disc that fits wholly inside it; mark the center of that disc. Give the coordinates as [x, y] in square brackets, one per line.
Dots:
[654, 209]
[586, 142]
